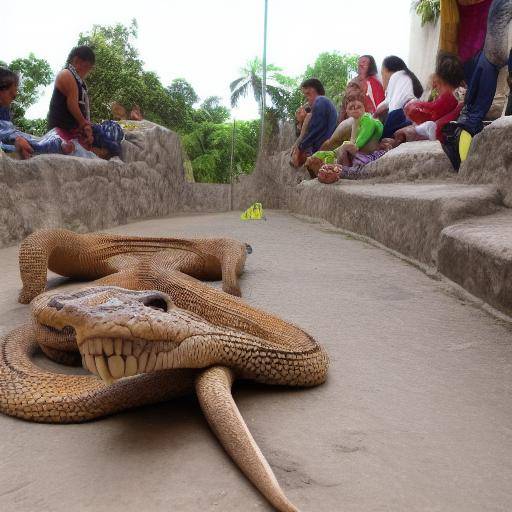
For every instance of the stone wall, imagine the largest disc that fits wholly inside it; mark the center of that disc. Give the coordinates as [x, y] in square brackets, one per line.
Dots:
[51, 191]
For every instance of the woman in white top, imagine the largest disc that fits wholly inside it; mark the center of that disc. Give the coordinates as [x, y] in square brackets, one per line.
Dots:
[401, 86]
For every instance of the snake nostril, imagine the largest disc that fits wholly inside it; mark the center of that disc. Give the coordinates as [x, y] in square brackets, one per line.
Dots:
[54, 303]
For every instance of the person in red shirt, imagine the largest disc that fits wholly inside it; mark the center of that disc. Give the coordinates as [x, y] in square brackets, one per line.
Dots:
[445, 107]
[367, 74]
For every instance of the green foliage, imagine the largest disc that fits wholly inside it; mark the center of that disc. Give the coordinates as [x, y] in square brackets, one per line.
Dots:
[334, 71]
[181, 89]
[34, 75]
[37, 127]
[279, 87]
[428, 10]
[209, 148]
[119, 76]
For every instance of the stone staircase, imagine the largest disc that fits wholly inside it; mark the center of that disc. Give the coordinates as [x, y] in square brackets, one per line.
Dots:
[459, 225]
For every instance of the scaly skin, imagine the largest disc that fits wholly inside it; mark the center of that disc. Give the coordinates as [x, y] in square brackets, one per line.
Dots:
[180, 335]
[95, 255]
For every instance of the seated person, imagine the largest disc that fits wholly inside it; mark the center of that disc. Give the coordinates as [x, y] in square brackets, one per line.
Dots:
[430, 117]
[302, 118]
[366, 131]
[355, 86]
[401, 86]
[371, 85]
[485, 67]
[11, 139]
[69, 112]
[323, 117]
[344, 128]
[136, 113]
[118, 111]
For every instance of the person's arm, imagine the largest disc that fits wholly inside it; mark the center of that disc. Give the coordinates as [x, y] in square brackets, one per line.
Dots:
[381, 108]
[66, 84]
[377, 91]
[316, 124]
[390, 92]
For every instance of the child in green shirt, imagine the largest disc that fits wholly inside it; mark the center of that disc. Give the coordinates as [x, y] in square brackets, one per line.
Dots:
[366, 131]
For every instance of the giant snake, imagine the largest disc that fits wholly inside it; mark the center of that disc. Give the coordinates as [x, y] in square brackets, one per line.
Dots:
[150, 330]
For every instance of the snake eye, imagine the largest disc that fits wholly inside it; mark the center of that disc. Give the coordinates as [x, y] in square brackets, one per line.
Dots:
[156, 302]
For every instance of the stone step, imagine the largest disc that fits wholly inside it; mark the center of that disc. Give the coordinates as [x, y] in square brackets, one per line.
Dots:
[421, 160]
[477, 254]
[406, 217]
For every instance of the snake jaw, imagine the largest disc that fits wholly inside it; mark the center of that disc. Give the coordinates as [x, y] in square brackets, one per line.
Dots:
[121, 333]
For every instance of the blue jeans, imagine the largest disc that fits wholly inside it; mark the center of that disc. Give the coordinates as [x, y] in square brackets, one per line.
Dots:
[396, 119]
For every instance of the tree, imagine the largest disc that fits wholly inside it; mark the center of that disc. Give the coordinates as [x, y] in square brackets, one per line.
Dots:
[34, 75]
[251, 80]
[209, 148]
[211, 110]
[181, 89]
[334, 71]
[119, 76]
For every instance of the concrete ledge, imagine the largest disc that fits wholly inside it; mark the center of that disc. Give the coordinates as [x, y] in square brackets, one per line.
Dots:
[55, 191]
[405, 217]
[477, 254]
[422, 160]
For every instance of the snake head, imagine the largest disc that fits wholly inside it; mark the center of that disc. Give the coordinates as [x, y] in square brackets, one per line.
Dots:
[121, 333]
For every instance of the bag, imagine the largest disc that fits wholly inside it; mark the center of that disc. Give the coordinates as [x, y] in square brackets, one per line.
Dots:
[329, 173]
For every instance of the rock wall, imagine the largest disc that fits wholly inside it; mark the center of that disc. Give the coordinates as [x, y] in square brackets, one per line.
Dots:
[490, 158]
[50, 191]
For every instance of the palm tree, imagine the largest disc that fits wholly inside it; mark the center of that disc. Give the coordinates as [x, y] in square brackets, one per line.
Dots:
[251, 79]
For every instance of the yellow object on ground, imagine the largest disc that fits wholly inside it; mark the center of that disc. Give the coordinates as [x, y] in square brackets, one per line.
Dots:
[464, 144]
[254, 212]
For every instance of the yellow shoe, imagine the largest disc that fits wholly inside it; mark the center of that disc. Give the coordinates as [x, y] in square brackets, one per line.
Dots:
[254, 212]
[464, 144]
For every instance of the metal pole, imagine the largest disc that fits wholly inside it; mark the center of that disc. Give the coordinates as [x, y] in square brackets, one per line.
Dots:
[264, 81]
[231, 163]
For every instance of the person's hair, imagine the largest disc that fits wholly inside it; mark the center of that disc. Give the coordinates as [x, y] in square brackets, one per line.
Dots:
[8, 78]
[85, 53]
[394, 63]
[315, 84]
[354, 96]
[372, 68]
[354, 83]
[449, 69]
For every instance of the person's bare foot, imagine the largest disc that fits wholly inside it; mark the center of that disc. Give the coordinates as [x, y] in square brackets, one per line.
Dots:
[23, 148]
[67, 148]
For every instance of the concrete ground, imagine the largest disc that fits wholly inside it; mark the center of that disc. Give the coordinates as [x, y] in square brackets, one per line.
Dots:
[416, 414]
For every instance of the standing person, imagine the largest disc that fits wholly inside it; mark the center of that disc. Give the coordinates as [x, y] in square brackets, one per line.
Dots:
[401, 86]
[323, 117]
[367, 75]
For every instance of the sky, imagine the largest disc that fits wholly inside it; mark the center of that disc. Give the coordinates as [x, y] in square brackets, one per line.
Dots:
[207, 42]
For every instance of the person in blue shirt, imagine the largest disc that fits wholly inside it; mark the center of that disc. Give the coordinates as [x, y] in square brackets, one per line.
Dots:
[11, 139]
[323, 120]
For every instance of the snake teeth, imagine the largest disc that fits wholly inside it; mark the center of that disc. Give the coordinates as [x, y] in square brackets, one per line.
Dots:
[114, 358]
